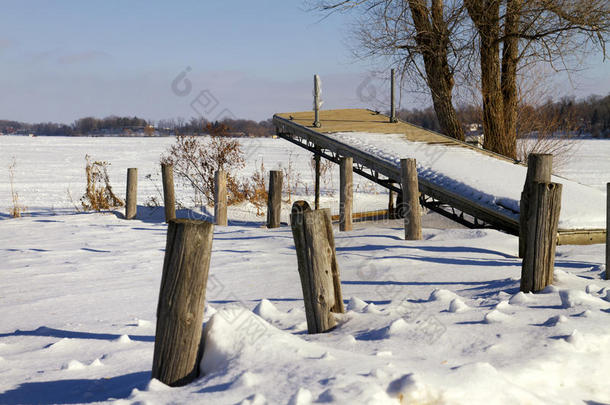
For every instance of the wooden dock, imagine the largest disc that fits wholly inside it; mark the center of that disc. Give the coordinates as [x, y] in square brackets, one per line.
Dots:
[298, 128]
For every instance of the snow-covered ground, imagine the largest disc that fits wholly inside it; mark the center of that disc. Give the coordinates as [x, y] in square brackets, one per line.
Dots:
[434, 321]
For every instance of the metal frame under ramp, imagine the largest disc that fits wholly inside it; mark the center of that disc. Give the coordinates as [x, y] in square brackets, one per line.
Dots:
[433, 197]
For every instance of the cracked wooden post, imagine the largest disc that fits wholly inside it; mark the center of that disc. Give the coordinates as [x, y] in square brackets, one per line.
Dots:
[169, 200]
[607, 231]
[131, 198]
[317, 180]
[542, 224]
[410, 199]
[539, 167]
[346, 187]
[317, 265]
[220, 198]
[274, 199]
[180, 308]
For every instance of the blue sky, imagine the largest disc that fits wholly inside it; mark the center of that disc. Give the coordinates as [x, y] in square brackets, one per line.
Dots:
[65, 60]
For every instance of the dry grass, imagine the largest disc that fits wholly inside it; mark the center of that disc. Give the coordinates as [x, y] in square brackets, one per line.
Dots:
[99, 195]
[17, 209]
[257, 190]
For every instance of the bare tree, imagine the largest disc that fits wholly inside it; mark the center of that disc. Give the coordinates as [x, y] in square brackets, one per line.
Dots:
[438, 40]
[416, 38]
[530, 32]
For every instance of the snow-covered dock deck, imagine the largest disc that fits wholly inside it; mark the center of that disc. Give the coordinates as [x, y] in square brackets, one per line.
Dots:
[470, 184]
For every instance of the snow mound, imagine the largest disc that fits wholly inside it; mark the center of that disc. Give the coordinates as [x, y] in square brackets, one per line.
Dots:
[502, 305]
[356, 304]
[74, 365]
[371, 309]
[269, 312]
[123, 339]
[155, 385]
[442, 295]
[550, 289]
[592, 288]
[554, 320]
[457, 305]
[141, 323]
[577, 339]
[410, 390]
[520, 299]
[573, 298]
[397, 327]
[495, 316]
[301, 397]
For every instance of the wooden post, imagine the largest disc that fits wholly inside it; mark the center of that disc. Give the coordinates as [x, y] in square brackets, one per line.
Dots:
[220, 198]
[390, 204]
[539, 167]
[317, 181]
[346, 187]
[181, 301]
[607, 231]
[274, 199]
[317, 264]
[542, 223]
[316, 101]
[393, 118]
[410, 199]
[131, 199]
[169, 200]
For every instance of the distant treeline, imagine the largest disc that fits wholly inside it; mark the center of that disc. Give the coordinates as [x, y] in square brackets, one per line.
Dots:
[130, 126]
[589, 116]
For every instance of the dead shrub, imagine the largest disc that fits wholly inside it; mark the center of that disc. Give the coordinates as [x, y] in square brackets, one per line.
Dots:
[99, 195]
[17, 209]
[257, 189]
[196, 159]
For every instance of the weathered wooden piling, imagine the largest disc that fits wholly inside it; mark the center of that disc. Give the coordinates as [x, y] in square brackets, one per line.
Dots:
[410, 199]
[274, 199]
[317, 265]
[346, 188]
[317, 180]
[131, 198]
[220, 198]
[607, 231]
[181, 301]
[169, 199]
[539, 168]
[542, 223]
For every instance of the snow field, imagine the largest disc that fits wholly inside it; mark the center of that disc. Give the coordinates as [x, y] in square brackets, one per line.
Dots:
[434, 321]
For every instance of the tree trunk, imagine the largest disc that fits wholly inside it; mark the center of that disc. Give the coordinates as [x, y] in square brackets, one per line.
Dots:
[433, 38]
[510, 56]
[486, 17]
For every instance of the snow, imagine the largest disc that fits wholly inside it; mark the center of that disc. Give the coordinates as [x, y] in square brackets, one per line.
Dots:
[439, 320]
[481, 178]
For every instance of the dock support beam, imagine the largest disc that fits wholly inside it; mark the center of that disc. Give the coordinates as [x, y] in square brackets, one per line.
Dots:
[346, 187]
[607, 231]
[220, 198]
[410, 199]
[316, 158]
